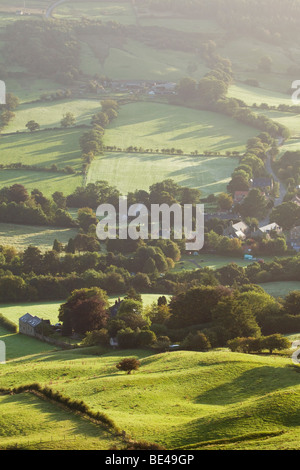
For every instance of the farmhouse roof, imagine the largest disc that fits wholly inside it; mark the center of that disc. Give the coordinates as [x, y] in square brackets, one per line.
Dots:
[268, 228]
[30, 320]
[261, 182]
[240, 227]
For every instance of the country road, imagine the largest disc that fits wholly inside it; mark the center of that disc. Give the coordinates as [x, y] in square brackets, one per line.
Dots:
[282, 189]
[49, 11]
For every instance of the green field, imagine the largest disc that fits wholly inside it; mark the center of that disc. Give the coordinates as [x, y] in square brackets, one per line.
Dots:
[105, 11]
[212, 261]
[133, 60]
[42, 148]
[177, 399]
[20, 346]
[280, 289]
[48, 183]
[50, 114]
[21, 236]
[155, 125]
[28, 89]
[251, 95]
[245, 54]
[209, 174]
[31, 421]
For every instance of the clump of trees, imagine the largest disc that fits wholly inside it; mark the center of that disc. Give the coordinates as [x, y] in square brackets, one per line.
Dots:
[20, 207]
[257, 345]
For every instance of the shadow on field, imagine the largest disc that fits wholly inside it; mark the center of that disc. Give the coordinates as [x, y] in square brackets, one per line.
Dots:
[48, 418]
[250, 384]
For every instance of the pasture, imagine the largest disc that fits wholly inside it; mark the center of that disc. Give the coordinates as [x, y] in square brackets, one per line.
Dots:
[133, 60]
[121, 12]
[251, 95]
[156, 125]
[198, 397]
[21, 236]
[48, 182]
[31, 421]
[50, 114]
[212, 261]
[129, 172]
[280, 289]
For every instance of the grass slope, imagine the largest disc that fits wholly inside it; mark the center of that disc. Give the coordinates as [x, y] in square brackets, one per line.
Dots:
[39, 425]
[155, 125]
[177, 399]
[21, 236]
[50, 114]
[209, 174]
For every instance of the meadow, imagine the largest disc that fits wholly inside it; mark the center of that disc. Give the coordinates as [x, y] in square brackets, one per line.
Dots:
[44, 425]
[199, 397]
[48, 182]
[251, 95]
[50, 114]
[280, 289]
[42, 148]
[156, 125]
[135, 61]
[212, 261]
[209, 174]
[121, 12]
[21, 236]
[245, 54]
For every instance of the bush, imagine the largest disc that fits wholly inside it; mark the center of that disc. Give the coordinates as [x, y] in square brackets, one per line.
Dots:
[162, 344]
[196, 342]
[128, 365]
[96, 337]
[146, 338]
[127, 338]
[8, 324]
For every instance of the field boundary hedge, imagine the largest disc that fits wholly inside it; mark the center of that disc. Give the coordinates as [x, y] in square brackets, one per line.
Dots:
[8, 324]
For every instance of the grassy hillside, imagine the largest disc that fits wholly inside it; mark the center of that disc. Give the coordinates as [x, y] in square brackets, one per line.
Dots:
[154, 125]
[50, 114]
[29, 420]
[121, 12]
[178, 399]
[21, 236]
[209, 174]
[42, 148]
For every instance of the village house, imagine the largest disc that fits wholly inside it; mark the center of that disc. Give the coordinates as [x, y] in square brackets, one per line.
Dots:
[28, 325]
[239, 230]
[266, 230]
[262, 183]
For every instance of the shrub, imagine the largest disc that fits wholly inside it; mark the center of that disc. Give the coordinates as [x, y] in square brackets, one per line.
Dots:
[162, 344]
[127, 338]
[196, 342]
[96, 337]
[128, 365]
